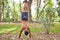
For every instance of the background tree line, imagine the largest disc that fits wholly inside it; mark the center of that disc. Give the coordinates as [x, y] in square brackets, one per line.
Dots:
[9, 8]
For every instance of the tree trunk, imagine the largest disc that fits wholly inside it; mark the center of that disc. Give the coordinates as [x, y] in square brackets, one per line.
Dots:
[0, 13]
[2, 10]
[38, 5]
[29, 19]
[20, 8]
[37, 8]
[49, 22]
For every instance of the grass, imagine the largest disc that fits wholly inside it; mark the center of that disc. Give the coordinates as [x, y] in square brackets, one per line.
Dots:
[7, 28]
[55, 28]
[15, 28]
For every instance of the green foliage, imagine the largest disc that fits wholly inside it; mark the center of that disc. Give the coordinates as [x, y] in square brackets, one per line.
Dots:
[58, 10]
[14, 11]
[59, 3]
[47, 15]
[48, 10]
[50, 4]
[8, 19]
[0, 2]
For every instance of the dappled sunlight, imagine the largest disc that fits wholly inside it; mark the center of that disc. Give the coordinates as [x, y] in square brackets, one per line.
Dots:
[7, 30]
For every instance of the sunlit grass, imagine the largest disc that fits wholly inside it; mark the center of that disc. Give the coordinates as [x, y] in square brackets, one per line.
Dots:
[55, 28]
[6, 28]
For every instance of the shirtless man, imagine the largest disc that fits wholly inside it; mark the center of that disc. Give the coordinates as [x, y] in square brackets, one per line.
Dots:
[25, 27]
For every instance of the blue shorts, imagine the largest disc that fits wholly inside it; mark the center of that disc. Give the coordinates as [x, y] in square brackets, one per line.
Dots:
[25, 16]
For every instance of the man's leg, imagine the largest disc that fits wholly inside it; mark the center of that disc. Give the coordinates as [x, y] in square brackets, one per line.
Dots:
[21, 32]
[29, 32]
[23, 27]
[27, 26]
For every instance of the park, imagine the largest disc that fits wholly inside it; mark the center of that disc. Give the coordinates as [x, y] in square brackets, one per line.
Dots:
[43, 19]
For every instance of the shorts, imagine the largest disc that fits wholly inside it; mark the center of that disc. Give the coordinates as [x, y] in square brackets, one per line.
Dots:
[25, 16]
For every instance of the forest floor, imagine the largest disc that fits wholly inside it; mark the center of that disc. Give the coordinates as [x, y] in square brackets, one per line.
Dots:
[11, 32]
[35, 36]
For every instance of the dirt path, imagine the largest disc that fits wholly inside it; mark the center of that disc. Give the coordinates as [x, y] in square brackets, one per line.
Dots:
[35, 36]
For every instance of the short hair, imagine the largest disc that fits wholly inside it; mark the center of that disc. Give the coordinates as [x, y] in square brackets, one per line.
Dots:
[26, 32]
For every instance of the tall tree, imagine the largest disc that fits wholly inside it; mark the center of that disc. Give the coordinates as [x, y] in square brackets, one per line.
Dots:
[46, 15]
[38, 6]
[14, 12]
[20, 6]
[2, 10]
[6, 8]
[49, 12]
[30, 2]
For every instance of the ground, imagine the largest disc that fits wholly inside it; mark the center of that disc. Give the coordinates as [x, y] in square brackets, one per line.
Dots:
[35, 36]
[10, 31]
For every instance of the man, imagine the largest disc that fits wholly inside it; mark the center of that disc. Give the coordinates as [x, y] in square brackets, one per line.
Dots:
[25, 20]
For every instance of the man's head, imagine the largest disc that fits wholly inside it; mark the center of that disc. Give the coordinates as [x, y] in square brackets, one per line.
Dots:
[26, 33]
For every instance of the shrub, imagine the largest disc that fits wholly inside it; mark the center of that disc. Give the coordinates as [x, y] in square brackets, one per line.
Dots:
[8, 19]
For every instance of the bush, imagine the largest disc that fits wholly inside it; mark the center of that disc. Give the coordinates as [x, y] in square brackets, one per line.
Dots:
[8, 19]
[59, 21]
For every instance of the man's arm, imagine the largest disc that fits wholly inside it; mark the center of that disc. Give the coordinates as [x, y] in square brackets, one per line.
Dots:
[21, 32]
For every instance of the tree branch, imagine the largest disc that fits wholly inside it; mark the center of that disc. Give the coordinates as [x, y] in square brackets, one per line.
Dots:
[43, 9]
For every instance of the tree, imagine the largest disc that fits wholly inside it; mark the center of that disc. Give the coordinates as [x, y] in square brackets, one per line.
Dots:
[2, 8]
[38, 6]
[20, 8]
[50, 13]
[14, 12]
[30, 2]
[58, 8]
[6, 9]
[46, 15]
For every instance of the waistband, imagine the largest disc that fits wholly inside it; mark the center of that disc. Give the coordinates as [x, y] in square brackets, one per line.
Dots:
[24, 12]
